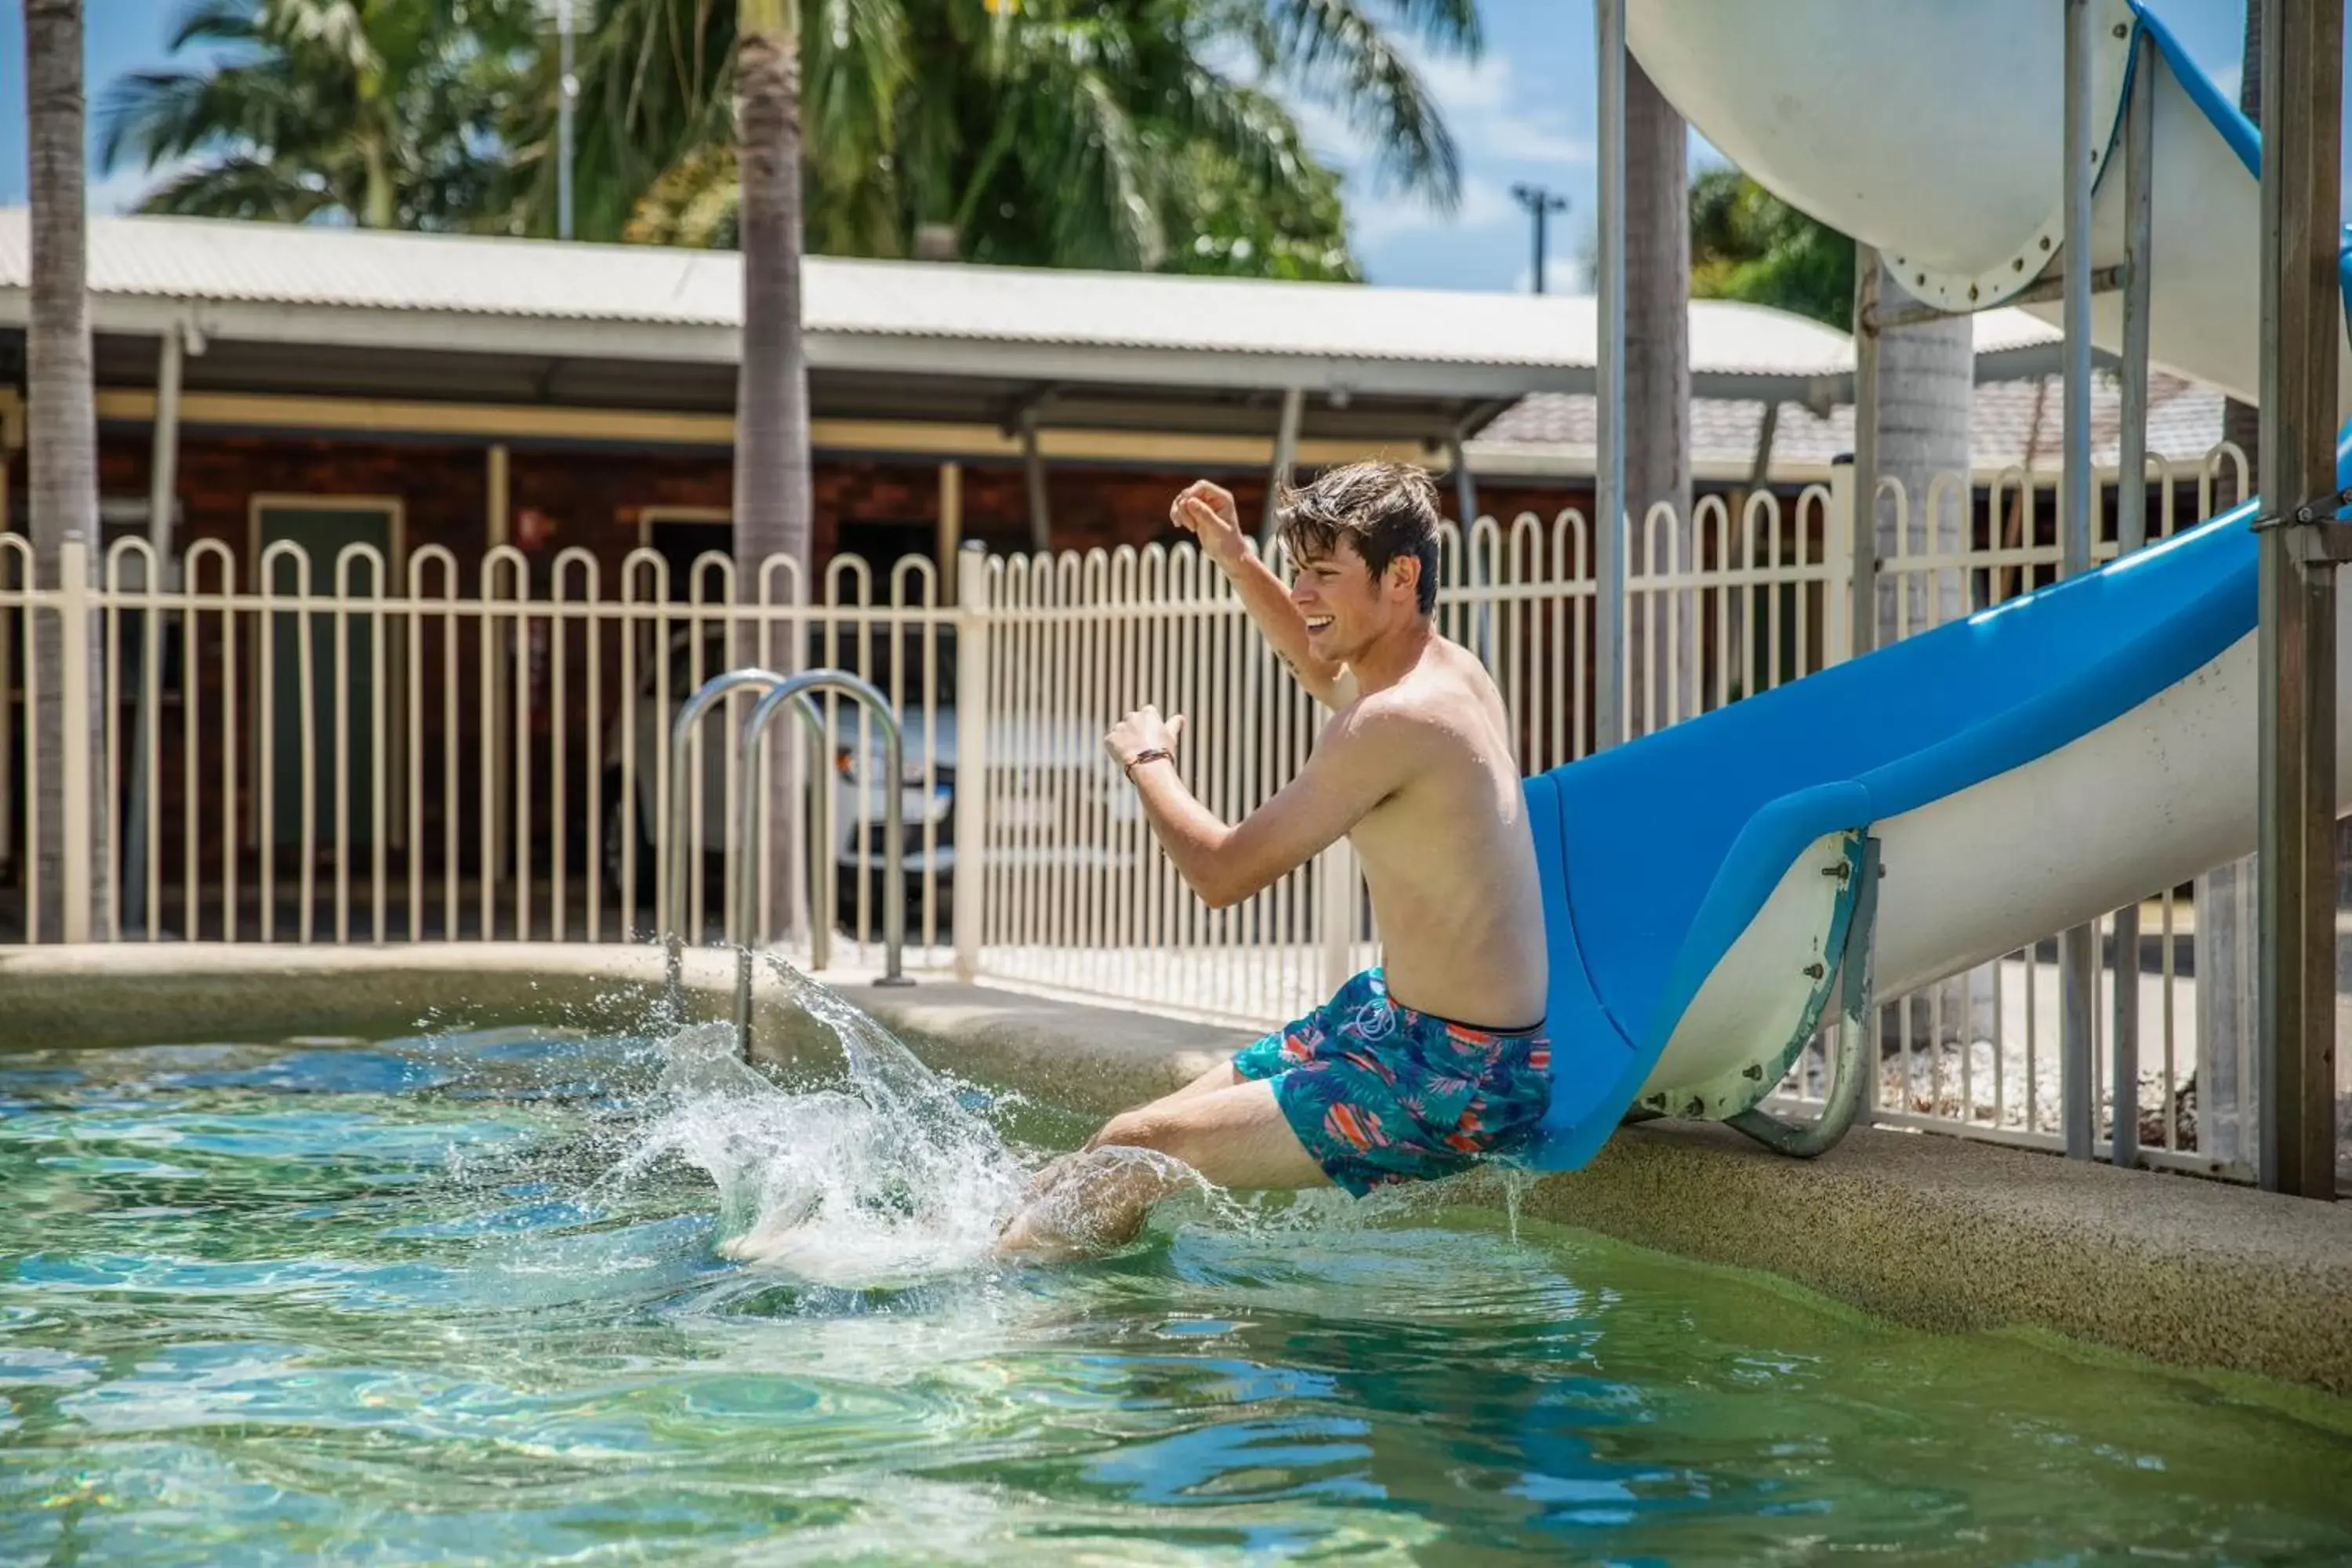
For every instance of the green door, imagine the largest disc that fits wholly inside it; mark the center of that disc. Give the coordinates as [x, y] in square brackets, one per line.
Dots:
[322, 532]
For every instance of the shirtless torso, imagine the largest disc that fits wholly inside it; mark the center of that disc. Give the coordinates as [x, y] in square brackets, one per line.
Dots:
[1447, 856]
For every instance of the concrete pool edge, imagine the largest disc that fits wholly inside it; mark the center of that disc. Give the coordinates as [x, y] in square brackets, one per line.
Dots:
[1934, 1232]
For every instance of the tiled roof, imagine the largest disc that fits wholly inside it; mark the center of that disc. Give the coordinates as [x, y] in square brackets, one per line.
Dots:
[2015, 423]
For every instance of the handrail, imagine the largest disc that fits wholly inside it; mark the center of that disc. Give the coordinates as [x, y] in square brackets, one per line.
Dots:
[893, 891]
[675, 851]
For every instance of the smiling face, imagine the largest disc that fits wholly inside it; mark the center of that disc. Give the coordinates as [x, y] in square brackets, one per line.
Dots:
[1363, 537]
[1347, 608]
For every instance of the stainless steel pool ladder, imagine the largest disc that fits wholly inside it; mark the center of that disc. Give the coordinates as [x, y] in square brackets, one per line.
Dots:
[778, 690]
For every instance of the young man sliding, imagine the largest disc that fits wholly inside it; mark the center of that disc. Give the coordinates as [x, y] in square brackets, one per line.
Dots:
[1415, 1069]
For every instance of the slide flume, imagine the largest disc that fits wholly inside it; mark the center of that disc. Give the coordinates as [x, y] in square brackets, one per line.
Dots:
[2024, 770]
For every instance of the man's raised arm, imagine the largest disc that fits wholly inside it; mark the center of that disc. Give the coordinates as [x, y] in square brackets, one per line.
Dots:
[1206, 511]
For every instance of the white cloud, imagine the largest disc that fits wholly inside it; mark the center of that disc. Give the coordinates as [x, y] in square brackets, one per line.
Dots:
[1564, 273]
[122, 191]
[1481, 103]
[1484, 205]
[2230, 79]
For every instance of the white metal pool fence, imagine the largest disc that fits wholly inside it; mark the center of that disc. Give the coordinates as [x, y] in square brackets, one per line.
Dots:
[385, 751]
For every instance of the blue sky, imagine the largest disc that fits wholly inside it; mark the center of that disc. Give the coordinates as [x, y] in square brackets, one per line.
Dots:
[1523, 112]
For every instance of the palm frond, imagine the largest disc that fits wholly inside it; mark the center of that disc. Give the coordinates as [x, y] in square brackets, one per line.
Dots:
[1336, 54]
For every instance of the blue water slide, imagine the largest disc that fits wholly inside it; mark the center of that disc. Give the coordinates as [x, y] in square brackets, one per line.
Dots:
[1998, 779]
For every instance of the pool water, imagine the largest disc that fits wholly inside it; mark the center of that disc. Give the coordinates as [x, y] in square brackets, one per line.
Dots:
[455, 1300]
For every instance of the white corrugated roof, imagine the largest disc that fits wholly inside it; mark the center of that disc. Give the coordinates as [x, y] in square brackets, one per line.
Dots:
[462, 291]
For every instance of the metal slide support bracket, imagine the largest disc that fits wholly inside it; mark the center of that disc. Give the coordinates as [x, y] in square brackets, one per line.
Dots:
[1857, 1057]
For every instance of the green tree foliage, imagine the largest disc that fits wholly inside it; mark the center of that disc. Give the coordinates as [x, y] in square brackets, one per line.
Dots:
[1748, 244]
[1118, 134]
[386, 113]
[1045, 132]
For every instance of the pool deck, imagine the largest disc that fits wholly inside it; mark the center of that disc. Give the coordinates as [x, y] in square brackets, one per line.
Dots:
[1934, 1231]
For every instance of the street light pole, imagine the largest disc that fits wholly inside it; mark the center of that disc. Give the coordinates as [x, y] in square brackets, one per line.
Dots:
[1541, 204]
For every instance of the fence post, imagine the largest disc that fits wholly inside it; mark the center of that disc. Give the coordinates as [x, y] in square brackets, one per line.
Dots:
[968, 905]
[74, 759]
[1837, 555]
[1336, 881]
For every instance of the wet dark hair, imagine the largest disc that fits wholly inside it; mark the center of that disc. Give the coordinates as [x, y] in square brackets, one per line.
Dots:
[1385, 510]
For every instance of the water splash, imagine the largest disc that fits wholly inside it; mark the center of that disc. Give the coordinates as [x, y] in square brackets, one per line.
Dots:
[882, 1176]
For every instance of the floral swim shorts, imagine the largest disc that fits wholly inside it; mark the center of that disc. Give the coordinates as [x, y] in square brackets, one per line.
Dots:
[1380, 1093]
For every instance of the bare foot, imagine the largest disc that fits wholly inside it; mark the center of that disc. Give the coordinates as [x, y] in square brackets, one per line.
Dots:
[1089, 1202]
[774, 1235]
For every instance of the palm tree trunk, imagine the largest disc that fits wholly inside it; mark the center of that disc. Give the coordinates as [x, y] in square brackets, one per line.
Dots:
[1658, 390]
[1926, 384]
[62, 464]
[771, 434]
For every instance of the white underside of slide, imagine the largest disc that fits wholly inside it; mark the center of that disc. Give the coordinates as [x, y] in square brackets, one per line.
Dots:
[1931, 128]
[2166, 791]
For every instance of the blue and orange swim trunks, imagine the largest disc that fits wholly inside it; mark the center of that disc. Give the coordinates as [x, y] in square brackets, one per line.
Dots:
[1379, 1093]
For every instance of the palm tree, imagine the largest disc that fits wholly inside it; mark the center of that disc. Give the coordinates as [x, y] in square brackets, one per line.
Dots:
[377, 112]
[63, 459]
[919, 108]
[1050, 133]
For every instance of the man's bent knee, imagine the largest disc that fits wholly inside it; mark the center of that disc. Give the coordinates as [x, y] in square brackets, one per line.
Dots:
[1136, 1129]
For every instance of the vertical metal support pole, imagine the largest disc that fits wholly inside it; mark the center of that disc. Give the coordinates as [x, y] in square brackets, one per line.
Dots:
[2131, 535]
[1862, 513]
[2302, 82]
[163, 488]
[567, 91]
[1465, 502]
[950, 542]
[1285, 453]
[1033, 469]
[73, 686]
[1465, 483]
[1609, 458]
[968, 895]
[2078, 949]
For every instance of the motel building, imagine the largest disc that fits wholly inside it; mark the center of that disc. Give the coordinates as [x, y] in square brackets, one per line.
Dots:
[271, 397]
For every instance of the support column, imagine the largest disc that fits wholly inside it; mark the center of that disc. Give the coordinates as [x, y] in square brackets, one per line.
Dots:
[139, 873]
[497, 524]
[1033, 468]
[1861, 516]
[2078, 949]
[950, 523]
[1466, 502]
[495, 532]
[1285, 453]
[1609, 457]
[1662, 630]
[2303, 43]
[967, 895]
[2131, 535]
